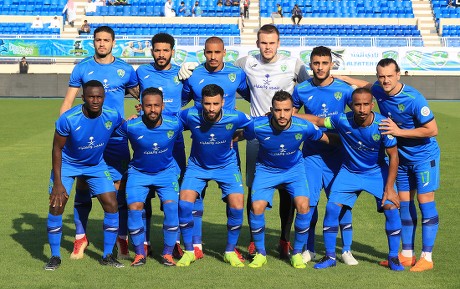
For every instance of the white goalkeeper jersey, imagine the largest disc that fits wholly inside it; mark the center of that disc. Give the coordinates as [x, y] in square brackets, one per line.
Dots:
[264, 79]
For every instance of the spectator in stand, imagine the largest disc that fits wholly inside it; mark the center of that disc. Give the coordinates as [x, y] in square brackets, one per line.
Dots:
[228, 2]
[279, 10]
[55, 23]
[85, 28]
[196, 10]
[90, 7]
[236, 3]
[37, 23]
[183, 10]
[246, 8]
[100, 2]
[168, 9]
[219, 3]
[296, 13]
[71, 12]
[23, 66]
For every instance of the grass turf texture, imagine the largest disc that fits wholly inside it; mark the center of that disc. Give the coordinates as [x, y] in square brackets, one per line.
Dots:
[25, 151]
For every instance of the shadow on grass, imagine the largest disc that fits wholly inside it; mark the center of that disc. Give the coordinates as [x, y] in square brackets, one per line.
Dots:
[31, 234]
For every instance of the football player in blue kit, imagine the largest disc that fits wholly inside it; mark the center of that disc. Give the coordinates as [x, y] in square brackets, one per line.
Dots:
[117, 76]
[411, 121]
[153, 167]
[212, 158]
[280, 163]
[161, 73]
[81, 135]
[364, 168]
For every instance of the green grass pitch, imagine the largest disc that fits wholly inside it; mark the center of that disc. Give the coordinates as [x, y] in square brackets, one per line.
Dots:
[26, 129]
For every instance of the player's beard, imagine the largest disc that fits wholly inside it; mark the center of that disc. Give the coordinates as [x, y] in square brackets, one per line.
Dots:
[215, 118]
[321, 79]
[162, 66]
[100, 55]
[152, 122]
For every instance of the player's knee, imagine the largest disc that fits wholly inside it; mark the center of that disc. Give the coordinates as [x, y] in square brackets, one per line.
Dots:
[389, 207]
[258, 207]
[109, 202]
[56, 211]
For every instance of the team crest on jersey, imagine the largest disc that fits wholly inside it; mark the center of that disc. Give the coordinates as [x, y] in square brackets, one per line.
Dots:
[229, 126]
[283, 67]
[425, 111]
[232, 77]
[170, 134]
[121, 72]
[338, 95]
[401, 107]
[298, 136]
[376, 137]
[108, 124]
[176, 80]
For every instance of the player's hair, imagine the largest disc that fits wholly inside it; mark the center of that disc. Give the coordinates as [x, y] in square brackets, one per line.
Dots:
[104, 29]
[152, 91]
[281, 95]
[92, 83]
[214, 39]
[163, 38]
[321, 51]
[362, 90]
[212, 90]
[387, 61]
[268, 29]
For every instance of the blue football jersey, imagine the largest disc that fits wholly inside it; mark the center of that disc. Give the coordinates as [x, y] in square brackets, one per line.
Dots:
[86, 137]
[281, 149]
[365, 146]
[152, 147]
[409, 110]
[322, 101]
[212, 142]
[232, 79]
[165, 80]
[116, 78]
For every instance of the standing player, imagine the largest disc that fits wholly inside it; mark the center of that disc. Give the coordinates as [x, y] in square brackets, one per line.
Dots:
[323, 96]
[232, 79]
[152, 137]
[412, 122]
[280, 162]
[116, 76]
[363, 169]
[80, 138]
[163, 74]
[212, 158]
[267, 73]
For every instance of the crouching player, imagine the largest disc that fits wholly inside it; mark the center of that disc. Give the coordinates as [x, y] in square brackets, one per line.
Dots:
[152, 139]
[212, 158]
[280, 163]
[364, 169]
[80, 138]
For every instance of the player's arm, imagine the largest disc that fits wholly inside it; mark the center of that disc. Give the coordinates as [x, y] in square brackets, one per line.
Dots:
[390, 193]
[354, 81]
[69, 98]
[134, 92]
[301, 71]
[389, 127]
[238, 135]
[58, 194]
[318, 121]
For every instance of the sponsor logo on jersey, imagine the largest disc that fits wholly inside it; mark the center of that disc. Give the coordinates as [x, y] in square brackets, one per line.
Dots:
[121, 72]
